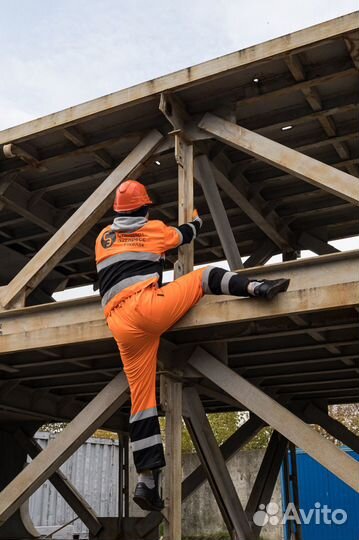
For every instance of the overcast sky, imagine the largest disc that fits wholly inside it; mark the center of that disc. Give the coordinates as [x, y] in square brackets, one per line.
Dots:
[55, 54]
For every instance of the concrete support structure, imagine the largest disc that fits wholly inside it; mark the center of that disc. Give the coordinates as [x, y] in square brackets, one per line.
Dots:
[285, 422]
[103, 406]
[308, 169]
[267, 477]
[215, 468]
[204, 173]
[171, 399]
[233, 121]
[63, 486]
[78, 225]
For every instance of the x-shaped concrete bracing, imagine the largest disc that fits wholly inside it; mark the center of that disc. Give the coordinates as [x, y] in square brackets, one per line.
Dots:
[269, 411]
[277, 416]
[100, 409]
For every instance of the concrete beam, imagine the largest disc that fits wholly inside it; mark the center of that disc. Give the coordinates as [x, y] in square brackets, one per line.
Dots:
[321, 283]
[192, 482]
[171, 400]
[315, 415]
[256, 208]
[184, 158]
[204, 173]
[267, 476]
[262, 254]
[37, 404]
[37, 210]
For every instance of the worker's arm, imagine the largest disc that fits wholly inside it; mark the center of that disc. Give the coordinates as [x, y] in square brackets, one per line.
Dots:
[189, 231]
[183, 234]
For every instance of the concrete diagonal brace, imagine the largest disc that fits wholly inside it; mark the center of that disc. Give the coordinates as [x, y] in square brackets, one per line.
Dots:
[267, 476]
[78, 224]
[71, 495]
[204, 174]
[194, 481]
[315, 172]
[277, 416]
[102, 407]
[254, 206]
[315, 415]
[215, 466]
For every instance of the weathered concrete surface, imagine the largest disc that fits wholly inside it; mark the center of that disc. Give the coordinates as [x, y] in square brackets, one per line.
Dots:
[200, 512]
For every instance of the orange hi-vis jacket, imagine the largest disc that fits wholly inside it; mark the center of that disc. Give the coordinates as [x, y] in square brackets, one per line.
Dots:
[130, 261]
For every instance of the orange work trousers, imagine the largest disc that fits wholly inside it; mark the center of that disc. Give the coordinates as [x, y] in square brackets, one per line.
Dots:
[137, 324]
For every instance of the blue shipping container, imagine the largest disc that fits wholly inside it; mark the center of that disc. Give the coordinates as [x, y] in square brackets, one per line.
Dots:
[318, 485]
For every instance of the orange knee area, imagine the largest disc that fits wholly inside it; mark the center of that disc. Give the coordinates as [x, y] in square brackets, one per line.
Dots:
[141, 376]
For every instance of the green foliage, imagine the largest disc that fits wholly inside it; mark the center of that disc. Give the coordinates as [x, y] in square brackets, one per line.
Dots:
[223, 426]
[217, 536]
[54, 427]
[259, 441]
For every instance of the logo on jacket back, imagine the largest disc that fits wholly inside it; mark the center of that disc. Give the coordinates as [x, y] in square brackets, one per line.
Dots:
[108, 238]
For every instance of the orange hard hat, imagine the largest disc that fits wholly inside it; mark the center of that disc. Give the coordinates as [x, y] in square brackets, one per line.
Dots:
[130, 195]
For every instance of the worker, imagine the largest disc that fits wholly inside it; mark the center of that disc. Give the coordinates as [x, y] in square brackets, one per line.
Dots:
[130, 255]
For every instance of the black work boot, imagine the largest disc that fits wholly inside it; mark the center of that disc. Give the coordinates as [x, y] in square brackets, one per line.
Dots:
[267, 288]
[149, 498]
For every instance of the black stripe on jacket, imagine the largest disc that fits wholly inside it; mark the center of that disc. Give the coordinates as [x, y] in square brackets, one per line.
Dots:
[108, 277]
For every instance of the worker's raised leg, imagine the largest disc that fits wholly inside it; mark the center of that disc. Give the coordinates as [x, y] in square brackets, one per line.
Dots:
[219, 281]
[161, 308]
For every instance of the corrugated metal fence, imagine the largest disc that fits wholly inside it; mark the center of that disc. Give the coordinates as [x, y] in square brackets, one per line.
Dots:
[319, 488]
[93, 469]
[48, 509]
